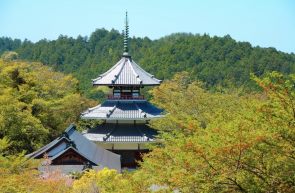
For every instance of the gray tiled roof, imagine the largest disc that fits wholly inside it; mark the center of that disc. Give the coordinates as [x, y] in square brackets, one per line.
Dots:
[57, 155]
[123, 110]
[40, 152]
[83, 146]
[126, 72]
[111, 132]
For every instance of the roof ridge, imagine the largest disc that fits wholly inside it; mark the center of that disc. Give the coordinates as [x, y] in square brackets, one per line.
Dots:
[120, 71]
[90, 109]
[48, 146]
[141, 111]
[111, 111]
[109, 133]
[72, 126]
[136, 74]
[111, 69]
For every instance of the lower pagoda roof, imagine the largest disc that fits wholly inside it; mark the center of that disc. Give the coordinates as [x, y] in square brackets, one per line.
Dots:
[123, 110]
[111, 132]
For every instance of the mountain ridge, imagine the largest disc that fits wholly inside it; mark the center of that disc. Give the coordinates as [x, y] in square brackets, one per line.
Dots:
[216, 61]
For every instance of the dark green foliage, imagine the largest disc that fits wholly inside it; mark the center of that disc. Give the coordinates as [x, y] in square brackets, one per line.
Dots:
[8, 44]
[217, 61]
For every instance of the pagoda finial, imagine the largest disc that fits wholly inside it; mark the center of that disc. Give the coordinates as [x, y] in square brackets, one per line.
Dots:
[126, 36]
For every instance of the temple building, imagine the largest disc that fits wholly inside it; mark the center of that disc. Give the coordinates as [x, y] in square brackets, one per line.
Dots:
[124, 133]
[72, 152]
[125, 113]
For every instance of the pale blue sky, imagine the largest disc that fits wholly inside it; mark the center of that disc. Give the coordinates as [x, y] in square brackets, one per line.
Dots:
[267, 23]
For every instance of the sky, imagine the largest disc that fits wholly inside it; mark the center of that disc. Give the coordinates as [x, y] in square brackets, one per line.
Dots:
[264, 23]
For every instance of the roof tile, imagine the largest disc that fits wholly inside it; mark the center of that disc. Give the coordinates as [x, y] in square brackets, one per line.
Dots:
[126, 72]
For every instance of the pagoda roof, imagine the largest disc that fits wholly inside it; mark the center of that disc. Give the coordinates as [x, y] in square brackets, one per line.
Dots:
[111, 132]
[126, 72]
[72, 139]
[123, 110]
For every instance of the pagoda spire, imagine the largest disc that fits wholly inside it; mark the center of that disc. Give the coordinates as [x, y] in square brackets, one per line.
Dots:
[126, 36]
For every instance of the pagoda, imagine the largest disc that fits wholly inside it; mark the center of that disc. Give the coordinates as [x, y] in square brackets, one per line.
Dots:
[126, 113]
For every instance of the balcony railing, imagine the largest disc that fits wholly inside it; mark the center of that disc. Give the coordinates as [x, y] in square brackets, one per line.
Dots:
[126, 139]
[125, 97]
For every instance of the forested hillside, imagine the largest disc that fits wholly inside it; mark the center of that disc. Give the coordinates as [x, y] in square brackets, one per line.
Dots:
[210, 141]
[217, 61]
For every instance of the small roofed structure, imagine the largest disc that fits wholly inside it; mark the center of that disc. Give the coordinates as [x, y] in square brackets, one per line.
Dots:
[73, 152]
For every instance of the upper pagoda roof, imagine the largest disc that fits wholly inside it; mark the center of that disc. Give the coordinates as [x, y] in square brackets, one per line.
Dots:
[126, 72]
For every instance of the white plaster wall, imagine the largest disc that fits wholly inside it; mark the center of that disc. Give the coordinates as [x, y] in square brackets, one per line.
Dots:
[122, 146]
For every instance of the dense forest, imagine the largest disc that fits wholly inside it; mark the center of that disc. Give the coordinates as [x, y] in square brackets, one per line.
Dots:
[215, 139]
[216, 61]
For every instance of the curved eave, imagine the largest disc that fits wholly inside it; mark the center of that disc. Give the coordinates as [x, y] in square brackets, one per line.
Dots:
[126, 72]
[156, 84]
[126, 142]
[123, 100]
[47, 147]
[127, 119]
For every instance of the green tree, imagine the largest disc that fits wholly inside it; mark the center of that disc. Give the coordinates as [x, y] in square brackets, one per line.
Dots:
[213, 142]
[36, 104]
[18, 174]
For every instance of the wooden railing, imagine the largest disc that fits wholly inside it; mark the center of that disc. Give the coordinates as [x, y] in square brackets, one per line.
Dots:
[125, 97]
[126, 139]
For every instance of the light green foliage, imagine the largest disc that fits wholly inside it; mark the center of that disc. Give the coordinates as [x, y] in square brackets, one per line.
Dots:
[19, 175]
[8, 56]
[4, 144]
[103, 181]
[36, 104]
[216, 142]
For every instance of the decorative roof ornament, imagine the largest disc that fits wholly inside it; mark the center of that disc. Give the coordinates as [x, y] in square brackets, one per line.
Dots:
[126, 36]
[126, 71]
